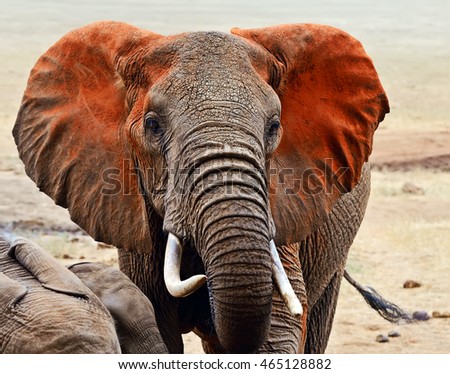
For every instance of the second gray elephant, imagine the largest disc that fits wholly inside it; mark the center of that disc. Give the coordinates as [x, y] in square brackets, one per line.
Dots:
[46, 308]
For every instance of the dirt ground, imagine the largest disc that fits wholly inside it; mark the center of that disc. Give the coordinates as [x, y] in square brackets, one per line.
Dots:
[406, 231]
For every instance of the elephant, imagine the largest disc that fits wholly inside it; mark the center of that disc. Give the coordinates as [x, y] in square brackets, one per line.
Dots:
[229, 169]
[46, 308]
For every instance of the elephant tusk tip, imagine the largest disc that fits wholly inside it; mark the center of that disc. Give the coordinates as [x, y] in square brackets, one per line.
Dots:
[198, 280]
[186, 287]
[297, 311]
[294, 305]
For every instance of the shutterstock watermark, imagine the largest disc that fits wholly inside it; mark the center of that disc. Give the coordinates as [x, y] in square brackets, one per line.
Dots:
[195, 180]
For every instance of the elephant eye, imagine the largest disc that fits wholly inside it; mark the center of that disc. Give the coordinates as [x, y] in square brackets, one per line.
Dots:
[152, 124]
[274, 127]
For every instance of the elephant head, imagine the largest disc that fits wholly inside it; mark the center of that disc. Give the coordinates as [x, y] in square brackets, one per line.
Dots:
[222, 144]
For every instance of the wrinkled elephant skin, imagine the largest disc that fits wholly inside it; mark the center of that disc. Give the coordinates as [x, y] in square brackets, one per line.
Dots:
[91, 308]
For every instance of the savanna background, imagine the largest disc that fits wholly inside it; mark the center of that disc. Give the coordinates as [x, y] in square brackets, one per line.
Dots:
[406, 231]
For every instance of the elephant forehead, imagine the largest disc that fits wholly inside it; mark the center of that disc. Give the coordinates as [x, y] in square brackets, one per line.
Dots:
[190, 92]
[211, 67]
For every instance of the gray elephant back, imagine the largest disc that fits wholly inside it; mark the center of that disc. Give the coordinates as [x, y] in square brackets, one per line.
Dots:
[35, 318]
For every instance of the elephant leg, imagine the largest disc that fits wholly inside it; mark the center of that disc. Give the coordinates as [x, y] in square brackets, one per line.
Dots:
[323, 256]
[145, 271]
[320, 318]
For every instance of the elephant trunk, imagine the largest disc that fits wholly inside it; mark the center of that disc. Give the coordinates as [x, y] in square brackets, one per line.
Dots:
[240, 287]
[232, 236]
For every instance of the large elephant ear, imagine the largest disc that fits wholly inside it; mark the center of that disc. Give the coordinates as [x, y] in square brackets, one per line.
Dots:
[71, 129]
[331, 103]
[46, 269]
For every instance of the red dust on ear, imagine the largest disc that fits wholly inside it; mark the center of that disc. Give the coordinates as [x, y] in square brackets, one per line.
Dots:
[71, 130]
[331, 104]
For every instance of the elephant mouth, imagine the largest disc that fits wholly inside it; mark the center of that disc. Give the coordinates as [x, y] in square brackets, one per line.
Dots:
[182, 288]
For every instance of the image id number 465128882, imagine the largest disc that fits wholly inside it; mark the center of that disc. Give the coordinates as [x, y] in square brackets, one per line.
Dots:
[296, 364]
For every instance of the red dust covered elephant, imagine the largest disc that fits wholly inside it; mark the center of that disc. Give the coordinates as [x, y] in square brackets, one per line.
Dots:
[230, 170]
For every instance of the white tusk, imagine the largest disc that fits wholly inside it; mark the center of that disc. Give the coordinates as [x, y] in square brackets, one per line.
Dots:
[283, 283]
[172, 266]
